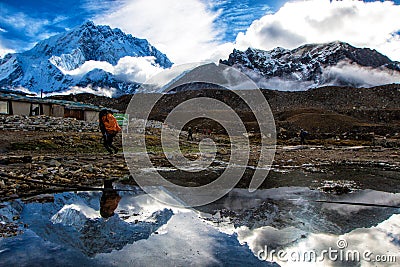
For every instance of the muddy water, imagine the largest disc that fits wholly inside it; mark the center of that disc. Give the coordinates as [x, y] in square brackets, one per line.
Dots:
[241, 229]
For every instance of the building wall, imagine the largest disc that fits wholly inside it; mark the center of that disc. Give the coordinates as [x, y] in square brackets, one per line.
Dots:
[26, 108]
[4, 107]
[57, 111]
[74, 113]
[91, 116]
[46, 109]
[21, 108]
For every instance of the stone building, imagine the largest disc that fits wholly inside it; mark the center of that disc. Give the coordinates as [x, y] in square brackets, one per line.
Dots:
[16, 104]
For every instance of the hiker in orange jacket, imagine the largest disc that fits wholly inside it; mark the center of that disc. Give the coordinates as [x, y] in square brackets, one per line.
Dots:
[109, 128]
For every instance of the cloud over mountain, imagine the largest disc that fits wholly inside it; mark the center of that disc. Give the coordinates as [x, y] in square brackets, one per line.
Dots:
[128, 69]
[364, 24]
[184, 30]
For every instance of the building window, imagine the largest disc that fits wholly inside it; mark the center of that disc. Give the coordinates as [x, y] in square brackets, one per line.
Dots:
[35, 110]
[4, 107]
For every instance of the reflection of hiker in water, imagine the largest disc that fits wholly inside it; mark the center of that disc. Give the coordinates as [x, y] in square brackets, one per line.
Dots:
[303, 135]
[190, 134]
[109, 128]
[109, 200]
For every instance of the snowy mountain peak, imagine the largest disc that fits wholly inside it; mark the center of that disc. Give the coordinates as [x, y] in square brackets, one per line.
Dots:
[311, 65]
[100, 43]
[52, 63]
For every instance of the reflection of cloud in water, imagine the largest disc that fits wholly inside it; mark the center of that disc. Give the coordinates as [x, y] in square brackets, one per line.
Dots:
[267, 235]
[379, 240]
[382, 239]
[364, 228]
[185, 240]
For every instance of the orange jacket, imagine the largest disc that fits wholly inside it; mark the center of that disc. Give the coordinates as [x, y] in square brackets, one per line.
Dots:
[111, 124]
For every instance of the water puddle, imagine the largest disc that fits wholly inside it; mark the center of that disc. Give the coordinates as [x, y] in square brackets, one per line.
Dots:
[121, 228]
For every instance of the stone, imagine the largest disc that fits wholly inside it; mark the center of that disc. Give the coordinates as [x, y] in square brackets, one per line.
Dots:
[45, 124]
[89, 168]
[54, 163]
[44, 198]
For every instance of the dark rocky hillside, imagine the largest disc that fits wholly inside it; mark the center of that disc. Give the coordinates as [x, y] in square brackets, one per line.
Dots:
[324, 112]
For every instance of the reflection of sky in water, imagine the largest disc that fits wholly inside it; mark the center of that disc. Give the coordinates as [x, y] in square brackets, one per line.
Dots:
[228, 232]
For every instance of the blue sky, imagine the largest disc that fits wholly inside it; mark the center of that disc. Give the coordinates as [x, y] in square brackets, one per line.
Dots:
[24, 22]
[238, 15]
[215, 23]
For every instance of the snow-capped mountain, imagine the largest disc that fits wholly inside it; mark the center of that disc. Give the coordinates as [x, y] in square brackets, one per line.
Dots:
[313, 65]
[87, 56]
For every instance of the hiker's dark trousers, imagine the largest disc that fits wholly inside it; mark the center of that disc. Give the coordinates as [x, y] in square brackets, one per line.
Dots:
[107, 142]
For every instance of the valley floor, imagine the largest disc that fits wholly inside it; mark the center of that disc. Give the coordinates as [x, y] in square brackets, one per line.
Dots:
[32, 163]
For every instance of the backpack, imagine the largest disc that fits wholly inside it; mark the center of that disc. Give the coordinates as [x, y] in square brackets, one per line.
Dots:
[110, 124]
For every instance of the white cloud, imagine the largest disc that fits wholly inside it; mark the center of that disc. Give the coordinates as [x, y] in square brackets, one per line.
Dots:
[276, 83]
[374, 24]
[24, 90]
[343, 72]
[184, 30]
[221, 52]
[294, 242]
[360, 76]
[108, 92]
[5, 50]
[138, 69]
[134, 69]
[89, 66]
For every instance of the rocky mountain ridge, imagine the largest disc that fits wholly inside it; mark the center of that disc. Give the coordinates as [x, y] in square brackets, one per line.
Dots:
[315, 65]
[326, 110]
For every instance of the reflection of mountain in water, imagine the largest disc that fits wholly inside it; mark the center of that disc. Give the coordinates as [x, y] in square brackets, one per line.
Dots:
[103, 236]
[293, 207]
[79, 225]
[231, 231]
[70, 232]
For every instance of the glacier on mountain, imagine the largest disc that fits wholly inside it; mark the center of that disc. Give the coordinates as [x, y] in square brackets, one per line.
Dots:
[86, 56]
